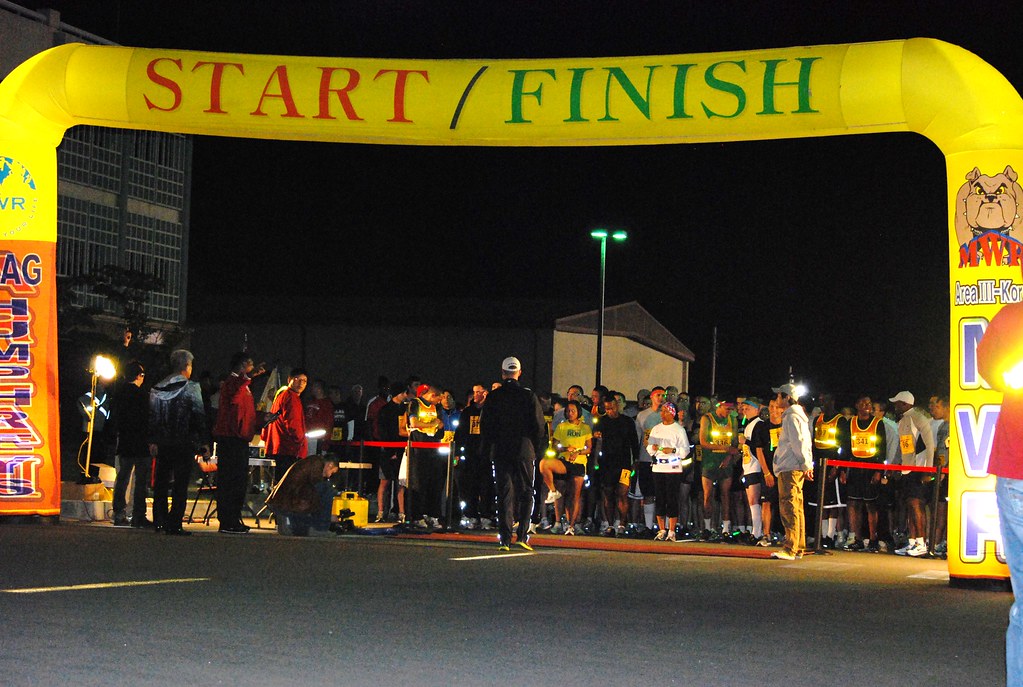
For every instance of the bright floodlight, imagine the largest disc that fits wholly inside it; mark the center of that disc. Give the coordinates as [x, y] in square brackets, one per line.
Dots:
[1014, 377]
[103, 368]
[799, 391]
[599, 233]
[316, 433]
[619, 235]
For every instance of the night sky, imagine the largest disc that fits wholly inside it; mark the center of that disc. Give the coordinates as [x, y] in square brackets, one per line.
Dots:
[817, 253]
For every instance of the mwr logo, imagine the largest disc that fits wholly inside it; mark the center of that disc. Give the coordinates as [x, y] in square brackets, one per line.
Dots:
[987, 219]
[19, 476]
[18, 197]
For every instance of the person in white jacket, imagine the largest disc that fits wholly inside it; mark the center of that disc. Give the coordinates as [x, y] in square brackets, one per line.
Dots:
[793, 463]
[669, 448]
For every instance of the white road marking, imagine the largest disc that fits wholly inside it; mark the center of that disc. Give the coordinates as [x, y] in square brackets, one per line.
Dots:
[103, 585]
[496, 555]
[930, 575]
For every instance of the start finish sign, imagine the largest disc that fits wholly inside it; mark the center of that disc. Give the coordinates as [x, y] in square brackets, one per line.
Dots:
[925, 86]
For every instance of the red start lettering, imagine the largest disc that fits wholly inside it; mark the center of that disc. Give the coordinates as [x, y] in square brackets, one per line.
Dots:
[338, 86]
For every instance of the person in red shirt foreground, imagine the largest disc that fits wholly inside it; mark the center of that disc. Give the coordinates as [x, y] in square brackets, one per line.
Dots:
[1000, 361]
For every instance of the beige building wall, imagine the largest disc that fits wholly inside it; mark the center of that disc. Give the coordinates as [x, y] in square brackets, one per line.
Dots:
[627, 366]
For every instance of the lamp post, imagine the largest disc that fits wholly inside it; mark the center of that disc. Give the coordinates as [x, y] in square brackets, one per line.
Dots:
[601, 235]
[102, 368]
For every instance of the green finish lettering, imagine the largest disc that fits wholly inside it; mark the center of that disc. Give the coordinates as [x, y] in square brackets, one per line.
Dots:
[518, 92]
[725, 87]
[642, 104]
[679, 94]
[803, 85]
[575, 97]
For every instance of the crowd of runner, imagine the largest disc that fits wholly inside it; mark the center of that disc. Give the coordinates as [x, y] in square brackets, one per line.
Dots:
[665, 466]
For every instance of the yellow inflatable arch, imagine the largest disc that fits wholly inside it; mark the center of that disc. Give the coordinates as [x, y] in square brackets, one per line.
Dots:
[932, 88]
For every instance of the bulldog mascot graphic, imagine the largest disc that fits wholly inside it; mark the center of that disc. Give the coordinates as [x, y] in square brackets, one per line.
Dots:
[987, 219]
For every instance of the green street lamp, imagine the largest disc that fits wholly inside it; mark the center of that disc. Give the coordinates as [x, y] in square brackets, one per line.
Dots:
[601, 235]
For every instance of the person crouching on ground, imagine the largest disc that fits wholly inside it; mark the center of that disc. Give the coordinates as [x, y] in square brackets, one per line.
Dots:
[302, 498]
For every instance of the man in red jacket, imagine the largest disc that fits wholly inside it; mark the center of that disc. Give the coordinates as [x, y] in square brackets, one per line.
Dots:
[236, 425]
[285, 435]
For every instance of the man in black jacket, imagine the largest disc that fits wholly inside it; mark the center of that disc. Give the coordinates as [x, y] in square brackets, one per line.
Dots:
[513, 434]
[130, 418]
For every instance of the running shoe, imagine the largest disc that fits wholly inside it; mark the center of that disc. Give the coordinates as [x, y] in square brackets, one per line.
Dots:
[661, 534]
[706, 535]
[918, 549]
[504, 547]
[524, 545]
[856, 546]
[620, 531]
[784, 555]
[904, 550]
[552, 496]
[763, 542]
[557, 529]
[873, 546]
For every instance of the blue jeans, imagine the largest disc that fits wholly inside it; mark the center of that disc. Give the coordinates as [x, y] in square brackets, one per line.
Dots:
[300, 523]
[1010, 514]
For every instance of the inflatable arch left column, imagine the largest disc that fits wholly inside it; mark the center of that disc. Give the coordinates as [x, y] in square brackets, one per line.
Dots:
[29, 408]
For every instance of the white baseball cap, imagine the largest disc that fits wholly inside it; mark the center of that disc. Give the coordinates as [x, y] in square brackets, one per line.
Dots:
[903, 396]
[787, 389]
[511, 364]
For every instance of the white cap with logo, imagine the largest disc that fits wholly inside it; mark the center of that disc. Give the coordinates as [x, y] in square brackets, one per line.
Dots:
[903, 396]
[511, 364]
[788, 389]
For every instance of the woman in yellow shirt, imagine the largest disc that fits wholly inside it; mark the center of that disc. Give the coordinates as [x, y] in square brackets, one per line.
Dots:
[572, 440]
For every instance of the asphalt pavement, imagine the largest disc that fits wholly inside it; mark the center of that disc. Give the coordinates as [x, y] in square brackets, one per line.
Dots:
[93, 605]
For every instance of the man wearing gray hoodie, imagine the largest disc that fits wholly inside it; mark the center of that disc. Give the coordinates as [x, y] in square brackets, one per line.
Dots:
[177, 433]
[793, 463]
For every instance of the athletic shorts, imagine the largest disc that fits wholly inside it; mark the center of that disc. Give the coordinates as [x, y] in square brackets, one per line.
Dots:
[751, 478]
[389, 464]
[737, 484]
[832, 496]
[610, 475]
[914, 487]
[573, 469]
[712, 469]
[645, 479]
[860, 485]
[769, 494]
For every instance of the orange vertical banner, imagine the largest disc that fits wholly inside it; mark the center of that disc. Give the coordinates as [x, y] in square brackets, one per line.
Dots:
[29, 408]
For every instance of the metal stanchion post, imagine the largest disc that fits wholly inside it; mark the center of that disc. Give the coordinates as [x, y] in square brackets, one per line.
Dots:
[821, 479]
[935, 495]
[449, 493]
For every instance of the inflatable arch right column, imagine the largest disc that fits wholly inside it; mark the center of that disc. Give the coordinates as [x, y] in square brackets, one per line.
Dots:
[932, 88]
